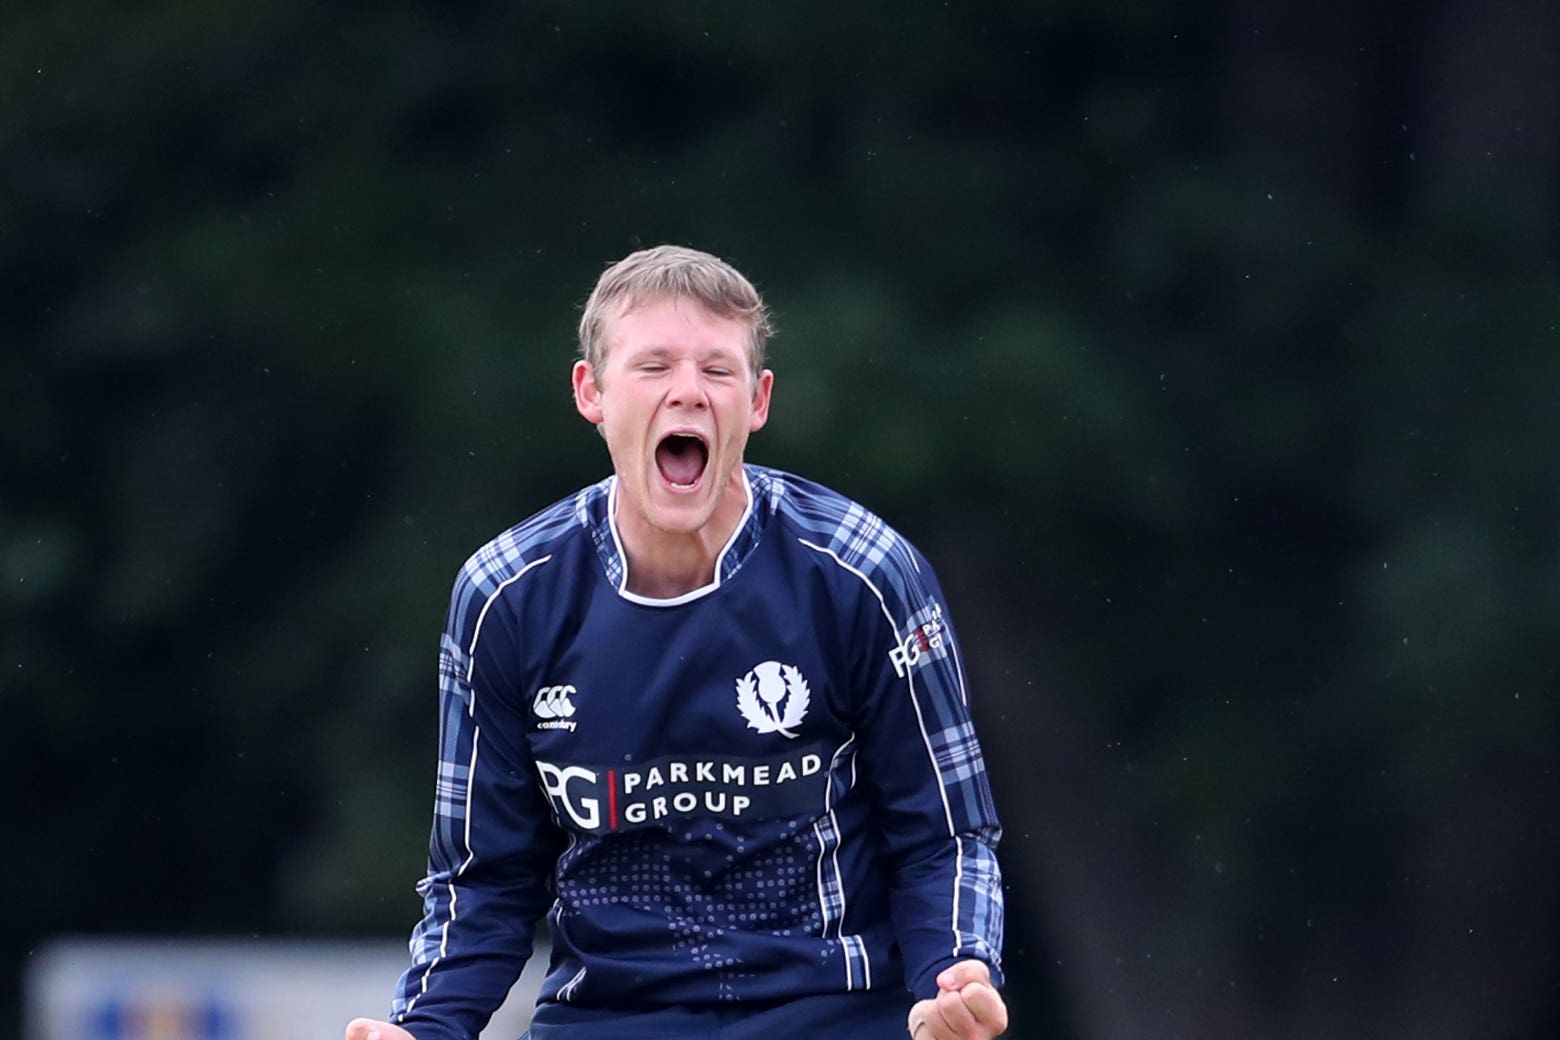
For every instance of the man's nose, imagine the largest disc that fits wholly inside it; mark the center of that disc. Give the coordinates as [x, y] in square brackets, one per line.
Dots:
[687, 386]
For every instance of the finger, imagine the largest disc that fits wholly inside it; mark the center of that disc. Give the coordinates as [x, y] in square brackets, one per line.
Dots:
[372, 1029]
[956, 1014]
[986, 1006]
[926, 1022]
[957, 976]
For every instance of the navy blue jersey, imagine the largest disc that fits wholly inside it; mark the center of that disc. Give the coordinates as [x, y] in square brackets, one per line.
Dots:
[766, 789]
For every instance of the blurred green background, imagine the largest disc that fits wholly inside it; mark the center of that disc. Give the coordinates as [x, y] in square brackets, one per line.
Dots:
[1208, 349]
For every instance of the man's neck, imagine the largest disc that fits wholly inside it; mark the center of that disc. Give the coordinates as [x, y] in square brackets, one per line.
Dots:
[666, 564]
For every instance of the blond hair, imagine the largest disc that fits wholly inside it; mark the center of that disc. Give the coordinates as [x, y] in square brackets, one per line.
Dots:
[673, 272]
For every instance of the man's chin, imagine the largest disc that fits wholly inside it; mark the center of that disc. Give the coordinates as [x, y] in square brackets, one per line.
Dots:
[679, 519]
[680, 512]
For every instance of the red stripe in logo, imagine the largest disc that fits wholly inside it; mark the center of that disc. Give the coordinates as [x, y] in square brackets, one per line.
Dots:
[612, 798]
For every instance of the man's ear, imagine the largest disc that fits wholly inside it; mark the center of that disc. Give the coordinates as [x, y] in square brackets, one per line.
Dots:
[587, 392]
[761, 391]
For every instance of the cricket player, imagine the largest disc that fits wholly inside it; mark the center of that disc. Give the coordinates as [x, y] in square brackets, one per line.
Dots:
[711, 721]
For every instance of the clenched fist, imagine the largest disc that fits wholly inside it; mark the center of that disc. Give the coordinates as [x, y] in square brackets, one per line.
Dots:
[967, 1007]
[368, 1029]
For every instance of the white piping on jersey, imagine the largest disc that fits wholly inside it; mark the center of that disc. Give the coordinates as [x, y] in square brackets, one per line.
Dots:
[851, 943]
[854, 943]
[839, 880]
[686, 597]
[471, 771]
[823, 906]
[566, 992]
[476, 633]
[847, 942]
[444, 930]
[926, 739]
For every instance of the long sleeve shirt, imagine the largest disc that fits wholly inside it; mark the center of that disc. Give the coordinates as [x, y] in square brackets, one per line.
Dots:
[764, 789]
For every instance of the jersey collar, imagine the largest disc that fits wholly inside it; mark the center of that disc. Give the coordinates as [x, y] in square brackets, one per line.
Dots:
[601, 518]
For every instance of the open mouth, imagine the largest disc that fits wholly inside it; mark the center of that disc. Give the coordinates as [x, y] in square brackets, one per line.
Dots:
[681, 459]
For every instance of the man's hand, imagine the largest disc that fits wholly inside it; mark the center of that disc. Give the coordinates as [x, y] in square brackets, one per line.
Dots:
[966, 1007]
[368, 1029]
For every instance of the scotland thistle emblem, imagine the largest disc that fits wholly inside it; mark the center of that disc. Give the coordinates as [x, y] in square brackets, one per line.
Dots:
[773, 697]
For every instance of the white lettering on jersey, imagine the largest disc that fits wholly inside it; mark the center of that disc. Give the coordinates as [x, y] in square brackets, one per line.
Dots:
[555, 781]
[553, 704]
[921, 644]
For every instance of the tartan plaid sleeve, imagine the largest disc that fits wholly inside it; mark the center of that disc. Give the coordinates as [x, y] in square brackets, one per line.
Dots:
[921, 755]
[492, 848]
[918, 746]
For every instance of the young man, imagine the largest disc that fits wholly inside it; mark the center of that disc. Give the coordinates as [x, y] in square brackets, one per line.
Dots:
[710, 719]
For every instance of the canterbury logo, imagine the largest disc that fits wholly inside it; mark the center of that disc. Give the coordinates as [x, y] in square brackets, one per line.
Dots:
[552, 702]
[773, 697]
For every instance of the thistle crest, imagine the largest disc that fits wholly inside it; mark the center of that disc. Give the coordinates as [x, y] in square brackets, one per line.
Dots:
[773, 698]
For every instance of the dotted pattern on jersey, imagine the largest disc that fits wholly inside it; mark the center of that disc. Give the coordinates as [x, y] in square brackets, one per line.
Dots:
[704, 885]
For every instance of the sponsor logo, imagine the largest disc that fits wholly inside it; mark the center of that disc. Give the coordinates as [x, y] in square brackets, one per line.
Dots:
[773, 698]
[584, 811]
[597, 799]
[924, 642]
[553, 706]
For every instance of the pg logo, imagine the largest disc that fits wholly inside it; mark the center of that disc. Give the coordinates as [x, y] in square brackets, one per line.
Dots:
[553, 702]
[584, 811]
[921, 644]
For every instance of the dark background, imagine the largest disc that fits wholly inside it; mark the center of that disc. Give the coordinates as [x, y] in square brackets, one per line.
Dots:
[1208, 349]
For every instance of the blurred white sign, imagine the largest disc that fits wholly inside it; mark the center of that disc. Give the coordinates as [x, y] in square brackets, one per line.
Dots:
[272, 989]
